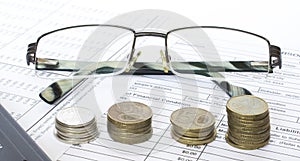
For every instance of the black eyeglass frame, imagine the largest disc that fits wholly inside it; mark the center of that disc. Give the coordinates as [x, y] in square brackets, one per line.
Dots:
[274, 51]
[231, 90]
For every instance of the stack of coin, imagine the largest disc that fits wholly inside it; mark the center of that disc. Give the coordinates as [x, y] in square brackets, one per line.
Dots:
[75, 125]
[129, 122]
[248, 122]
[193, 126]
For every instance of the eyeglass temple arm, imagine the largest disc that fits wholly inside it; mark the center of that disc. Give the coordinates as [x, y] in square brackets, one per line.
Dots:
[186, 67]
[60, 88]
[274, 58]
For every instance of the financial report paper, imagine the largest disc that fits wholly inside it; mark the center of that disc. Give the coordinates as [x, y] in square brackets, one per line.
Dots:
[19, 89]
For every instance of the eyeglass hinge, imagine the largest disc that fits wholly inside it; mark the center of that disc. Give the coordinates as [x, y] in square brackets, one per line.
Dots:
[275, 57]
[31, 53]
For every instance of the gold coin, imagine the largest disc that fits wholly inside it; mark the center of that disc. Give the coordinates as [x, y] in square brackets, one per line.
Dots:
[248, 130]
[117, 129]
[203, 137]
[246, 136]
[245, 147]
[129, 134]
[131, 140]
[247, 107]
[192, 119]
[247, 123]
[129, 113]
[129, 126]
[242, 141]
[193, 141]
[188, 133]
[247, 118]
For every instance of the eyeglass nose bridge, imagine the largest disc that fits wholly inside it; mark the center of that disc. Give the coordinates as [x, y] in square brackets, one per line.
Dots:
[155, 34]
[164, 56]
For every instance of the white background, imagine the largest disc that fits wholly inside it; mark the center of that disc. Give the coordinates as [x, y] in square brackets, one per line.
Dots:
[276, 20]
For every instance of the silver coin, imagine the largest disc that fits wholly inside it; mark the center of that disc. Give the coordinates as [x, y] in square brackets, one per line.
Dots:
[83, 129]
[78, 136]
[77, 131]
[75, 117]
[75, 140]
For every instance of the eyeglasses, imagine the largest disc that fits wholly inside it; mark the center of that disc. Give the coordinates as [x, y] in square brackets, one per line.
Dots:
[103, 50]
[109, 49]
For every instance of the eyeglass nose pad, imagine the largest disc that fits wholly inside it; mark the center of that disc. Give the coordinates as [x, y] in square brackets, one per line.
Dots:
[132, 52]
[132, 61]
[164, 61]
